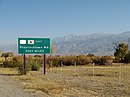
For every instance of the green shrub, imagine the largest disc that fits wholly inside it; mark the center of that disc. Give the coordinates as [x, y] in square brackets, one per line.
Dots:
[17, 60]
[34, 66]
[104, 60]
[55, 62]
[31, 65]
[21, 70]
[8, 63]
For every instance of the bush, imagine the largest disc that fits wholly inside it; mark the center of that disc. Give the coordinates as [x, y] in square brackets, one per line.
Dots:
[55, 62]
[21, 70]
[84, 60]
[17, 60]
[30, 66]
[34, 66]
[8, 63]
[104, 60]
[13, 62]
[69, 60]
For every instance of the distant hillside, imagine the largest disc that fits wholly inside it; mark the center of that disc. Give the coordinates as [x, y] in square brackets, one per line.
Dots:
[8, 47]
[97, 43]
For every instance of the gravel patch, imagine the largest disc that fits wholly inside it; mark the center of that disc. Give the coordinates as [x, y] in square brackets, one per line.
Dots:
[11, 88]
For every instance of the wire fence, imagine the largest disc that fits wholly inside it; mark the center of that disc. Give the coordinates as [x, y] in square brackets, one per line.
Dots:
[108, 81]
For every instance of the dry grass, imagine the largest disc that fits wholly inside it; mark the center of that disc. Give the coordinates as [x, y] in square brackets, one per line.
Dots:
[8, 71]
[76, 81]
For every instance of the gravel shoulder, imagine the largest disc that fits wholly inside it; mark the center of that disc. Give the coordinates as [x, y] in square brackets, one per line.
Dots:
[11, 88]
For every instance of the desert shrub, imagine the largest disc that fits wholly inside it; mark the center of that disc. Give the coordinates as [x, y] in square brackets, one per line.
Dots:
[104, 60]
[37, 59]
[96, 60]
[10, 54]
[90, 55]
[1, 63]
[80, 60]
[21, 70]
[55, 62]
[29, 66]
[38, 56]
[8, 63]
[34, 66]
[17, 60]
[5, 55]
[68, 60]
[84, 60]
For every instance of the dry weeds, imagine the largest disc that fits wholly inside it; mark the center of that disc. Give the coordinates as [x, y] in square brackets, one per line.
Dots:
[76, 81]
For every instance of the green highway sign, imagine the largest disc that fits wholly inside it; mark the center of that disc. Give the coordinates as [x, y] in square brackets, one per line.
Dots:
[33, 45]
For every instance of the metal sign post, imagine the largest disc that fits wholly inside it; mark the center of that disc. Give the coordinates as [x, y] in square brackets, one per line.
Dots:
[44, 63]
[24, 62]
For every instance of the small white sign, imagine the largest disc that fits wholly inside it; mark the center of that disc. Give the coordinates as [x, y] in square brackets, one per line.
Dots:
[30, 41]
[22, 41]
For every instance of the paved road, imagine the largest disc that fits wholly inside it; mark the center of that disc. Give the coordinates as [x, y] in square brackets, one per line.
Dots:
[10, 88]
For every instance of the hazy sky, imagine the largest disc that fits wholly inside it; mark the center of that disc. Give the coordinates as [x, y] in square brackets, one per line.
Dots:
[54, 18]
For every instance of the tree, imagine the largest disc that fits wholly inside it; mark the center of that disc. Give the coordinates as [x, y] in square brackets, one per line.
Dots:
[127, 58]
[10, 54]
[121, 50]
[5, 55]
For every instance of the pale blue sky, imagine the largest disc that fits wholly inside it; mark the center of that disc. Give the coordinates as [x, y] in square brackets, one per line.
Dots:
[55, 18]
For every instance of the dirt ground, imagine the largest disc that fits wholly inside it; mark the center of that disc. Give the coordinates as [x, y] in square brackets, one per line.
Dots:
[11, 88]
[79, 81]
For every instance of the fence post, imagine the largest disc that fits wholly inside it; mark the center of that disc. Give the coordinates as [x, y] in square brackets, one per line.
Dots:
[120, 73]
[75, 68]
[93, 71]
[51, 66]
[61, 69]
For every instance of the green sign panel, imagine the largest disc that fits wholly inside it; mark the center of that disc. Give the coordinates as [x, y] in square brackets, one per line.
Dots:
[34, 45]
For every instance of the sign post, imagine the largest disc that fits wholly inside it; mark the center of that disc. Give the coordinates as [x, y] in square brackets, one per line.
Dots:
[24, 63]
[44, 63]
[34, 46]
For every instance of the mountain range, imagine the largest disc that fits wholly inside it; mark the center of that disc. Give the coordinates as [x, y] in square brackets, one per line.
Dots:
[97, 43]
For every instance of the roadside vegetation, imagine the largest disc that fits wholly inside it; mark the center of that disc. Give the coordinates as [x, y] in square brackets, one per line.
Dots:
[33, 63]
